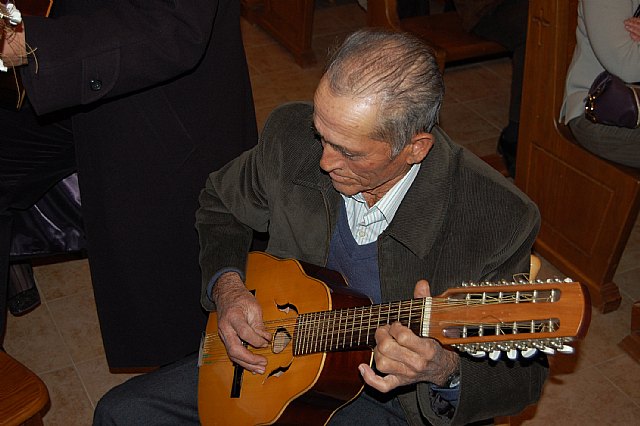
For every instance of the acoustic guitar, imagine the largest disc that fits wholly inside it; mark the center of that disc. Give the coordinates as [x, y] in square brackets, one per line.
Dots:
[322, 330]
[12, 91]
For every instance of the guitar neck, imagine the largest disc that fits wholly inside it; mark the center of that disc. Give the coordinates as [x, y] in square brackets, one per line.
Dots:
[354, 328]
[468, 318]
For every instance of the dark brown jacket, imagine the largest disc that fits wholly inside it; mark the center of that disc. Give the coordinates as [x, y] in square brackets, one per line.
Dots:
[459, 221]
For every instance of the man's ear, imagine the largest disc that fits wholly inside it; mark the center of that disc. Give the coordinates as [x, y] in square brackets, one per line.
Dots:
[419, 147]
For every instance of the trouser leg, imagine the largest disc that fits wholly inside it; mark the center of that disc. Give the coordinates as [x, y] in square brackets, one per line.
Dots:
[168, 396]
[507, 25]
[35, 153]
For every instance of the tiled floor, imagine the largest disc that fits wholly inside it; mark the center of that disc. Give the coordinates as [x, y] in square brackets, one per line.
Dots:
[599, 385]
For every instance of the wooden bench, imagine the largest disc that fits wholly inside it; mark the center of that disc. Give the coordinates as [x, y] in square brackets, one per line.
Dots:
[631, 343]
[23, 395]
[442, 31]
[588, 204]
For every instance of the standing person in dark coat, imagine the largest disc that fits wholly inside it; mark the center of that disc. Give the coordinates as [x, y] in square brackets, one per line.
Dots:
[143, 99]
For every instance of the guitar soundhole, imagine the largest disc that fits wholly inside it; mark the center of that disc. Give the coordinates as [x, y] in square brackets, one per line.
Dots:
[279, 371]
[501, 328]
[281, 339]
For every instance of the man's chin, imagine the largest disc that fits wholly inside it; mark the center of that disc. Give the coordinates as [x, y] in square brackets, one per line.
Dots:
[346, 190]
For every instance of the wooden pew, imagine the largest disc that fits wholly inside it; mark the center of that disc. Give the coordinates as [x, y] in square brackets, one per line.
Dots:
[588, 204]
[442, 31]
[631, 343]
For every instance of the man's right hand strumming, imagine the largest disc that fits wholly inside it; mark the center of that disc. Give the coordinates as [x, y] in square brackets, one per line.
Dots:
[239, 321]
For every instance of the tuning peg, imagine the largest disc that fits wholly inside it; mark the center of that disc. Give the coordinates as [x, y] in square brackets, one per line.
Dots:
[478, 354]
[547, 350]
[529, 353]
[566, 349]
[494, 355]
[512, 354]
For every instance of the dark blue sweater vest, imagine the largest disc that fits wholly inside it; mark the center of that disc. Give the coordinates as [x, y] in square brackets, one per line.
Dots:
[358, 263]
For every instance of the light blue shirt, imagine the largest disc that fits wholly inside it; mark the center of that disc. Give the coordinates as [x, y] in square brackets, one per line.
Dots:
[367, 223]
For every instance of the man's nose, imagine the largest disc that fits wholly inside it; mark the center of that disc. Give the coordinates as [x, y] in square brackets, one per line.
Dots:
[330, 158]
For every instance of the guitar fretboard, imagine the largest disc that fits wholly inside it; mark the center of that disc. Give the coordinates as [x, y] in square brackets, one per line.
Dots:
[354, 328]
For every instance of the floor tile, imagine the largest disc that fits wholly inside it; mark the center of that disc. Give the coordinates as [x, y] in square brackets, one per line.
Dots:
[69, 403]
[35, 341]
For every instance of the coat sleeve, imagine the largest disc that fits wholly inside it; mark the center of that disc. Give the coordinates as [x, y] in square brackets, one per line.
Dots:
[232, 205]
[610, 41]
[113, 49]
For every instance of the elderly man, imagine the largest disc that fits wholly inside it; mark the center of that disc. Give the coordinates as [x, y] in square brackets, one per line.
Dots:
[363, 182]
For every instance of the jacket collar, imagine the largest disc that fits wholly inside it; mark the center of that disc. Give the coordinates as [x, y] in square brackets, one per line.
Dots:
[421, 215]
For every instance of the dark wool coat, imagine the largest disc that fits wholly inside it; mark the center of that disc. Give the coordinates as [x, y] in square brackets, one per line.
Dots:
[459, 221]
[159, 95]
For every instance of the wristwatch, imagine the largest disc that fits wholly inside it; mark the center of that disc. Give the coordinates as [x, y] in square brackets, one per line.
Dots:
[453, 381]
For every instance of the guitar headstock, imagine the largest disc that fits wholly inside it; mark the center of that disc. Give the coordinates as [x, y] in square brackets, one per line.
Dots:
[489, 318]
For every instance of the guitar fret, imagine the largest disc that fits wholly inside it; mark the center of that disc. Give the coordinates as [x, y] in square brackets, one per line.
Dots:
[313, 343]
[426, 316]
[353, 325]
[329, 318]
[312, 332]
[296, 327]
[322, 322]
[339, 327]
[361, 326]
[301, 334]
[305, 333]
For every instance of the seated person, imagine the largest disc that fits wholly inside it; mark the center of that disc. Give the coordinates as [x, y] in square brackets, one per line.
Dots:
[607, 38]
[365, 183]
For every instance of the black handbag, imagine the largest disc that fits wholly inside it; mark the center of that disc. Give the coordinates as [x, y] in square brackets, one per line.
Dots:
[613, 102]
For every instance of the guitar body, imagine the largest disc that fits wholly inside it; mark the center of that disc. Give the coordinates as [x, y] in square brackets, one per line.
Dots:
[295, 389]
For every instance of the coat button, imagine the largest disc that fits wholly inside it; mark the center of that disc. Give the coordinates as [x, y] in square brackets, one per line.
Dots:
[95, 85]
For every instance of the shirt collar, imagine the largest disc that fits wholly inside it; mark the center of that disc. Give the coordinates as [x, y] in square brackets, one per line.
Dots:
[389, 203]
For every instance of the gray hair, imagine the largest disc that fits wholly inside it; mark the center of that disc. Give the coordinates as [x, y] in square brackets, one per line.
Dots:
[400, 71]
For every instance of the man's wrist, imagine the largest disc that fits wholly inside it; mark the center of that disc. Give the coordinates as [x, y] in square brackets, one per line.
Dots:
[228, 282]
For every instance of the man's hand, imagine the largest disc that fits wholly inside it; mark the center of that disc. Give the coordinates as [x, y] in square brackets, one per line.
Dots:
[405, 358]
[13, 50]
[240, 320]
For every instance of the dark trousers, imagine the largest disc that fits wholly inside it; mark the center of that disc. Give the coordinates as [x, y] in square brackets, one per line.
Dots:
[169, 396]
[35, 153]
[507, 25]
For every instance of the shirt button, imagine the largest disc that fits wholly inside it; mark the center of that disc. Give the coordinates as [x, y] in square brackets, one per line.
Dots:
[95, 85]
[362, 234]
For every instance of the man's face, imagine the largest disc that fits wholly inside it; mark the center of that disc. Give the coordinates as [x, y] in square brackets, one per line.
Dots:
[355, 162]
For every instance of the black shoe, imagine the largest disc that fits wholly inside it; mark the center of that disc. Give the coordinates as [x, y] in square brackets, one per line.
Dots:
[23, 294]
[24, 301]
